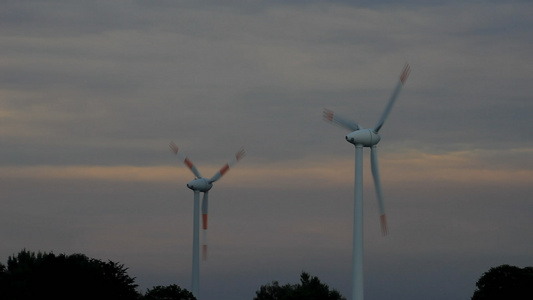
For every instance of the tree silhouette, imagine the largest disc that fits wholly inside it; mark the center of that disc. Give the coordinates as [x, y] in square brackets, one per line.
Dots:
[45, 275]
[171, 292]
[309, 288]
[29, 275]
[505, 282]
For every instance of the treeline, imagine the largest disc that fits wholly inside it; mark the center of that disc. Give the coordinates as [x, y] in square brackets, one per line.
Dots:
[309, 288]
[30, 275]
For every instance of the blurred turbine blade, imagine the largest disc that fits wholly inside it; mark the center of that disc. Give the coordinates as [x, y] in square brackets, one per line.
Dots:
[377, 183]
[238, 156]
[184, 159]
[336, 119]
[204, 225]
[403, 78]
[384, 228]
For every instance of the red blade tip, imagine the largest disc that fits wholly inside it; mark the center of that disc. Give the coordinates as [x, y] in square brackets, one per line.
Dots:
[384, 230]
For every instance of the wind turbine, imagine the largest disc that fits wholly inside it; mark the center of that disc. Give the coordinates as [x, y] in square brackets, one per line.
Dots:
[365, 137]
[201, 185]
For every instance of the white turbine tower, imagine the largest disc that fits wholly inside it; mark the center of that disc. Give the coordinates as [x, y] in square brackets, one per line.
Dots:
[201, 185]
[364, 137]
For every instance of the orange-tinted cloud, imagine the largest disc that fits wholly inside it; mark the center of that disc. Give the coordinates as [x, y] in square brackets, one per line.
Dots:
[409, 167]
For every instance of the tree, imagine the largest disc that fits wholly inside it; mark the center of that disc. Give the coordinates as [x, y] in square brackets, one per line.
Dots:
[45, 275]
[171, 292]
[29, 275]
[310, 288]
[505, 282]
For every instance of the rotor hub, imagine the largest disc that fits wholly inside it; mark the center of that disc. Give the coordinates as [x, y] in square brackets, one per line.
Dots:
[365, 137]
[200, 184]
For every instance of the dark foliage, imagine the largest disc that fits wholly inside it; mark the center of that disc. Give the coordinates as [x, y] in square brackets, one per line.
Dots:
[309, 288]
[505, 282]
[171, 292]
[31, 276]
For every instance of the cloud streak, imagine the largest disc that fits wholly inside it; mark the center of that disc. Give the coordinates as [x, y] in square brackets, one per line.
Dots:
[91, 94]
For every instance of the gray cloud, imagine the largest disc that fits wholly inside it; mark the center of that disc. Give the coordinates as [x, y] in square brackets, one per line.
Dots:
[91, 94]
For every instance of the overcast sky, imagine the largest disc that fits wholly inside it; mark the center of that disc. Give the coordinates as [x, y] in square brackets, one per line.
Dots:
[92, 92]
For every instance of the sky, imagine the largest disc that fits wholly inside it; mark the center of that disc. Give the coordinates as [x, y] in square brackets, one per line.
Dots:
[92, 92]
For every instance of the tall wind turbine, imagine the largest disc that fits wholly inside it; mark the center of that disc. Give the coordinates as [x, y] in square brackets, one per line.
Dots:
[201, 185]
[365, 137]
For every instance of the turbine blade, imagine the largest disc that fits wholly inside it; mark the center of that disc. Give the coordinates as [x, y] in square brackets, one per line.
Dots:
[377, 184]
[384, 228]
[238, 156]
[338, 120]
[403, 78]
[204, 225]
[184, 159]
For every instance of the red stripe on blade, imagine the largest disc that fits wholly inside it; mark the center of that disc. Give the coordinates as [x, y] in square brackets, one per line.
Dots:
[188, 163]
[384, 230]
[204, 221]
[224, 169]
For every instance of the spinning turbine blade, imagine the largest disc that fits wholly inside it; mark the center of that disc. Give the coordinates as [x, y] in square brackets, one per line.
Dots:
[184, 159]
[403, 78]
[238, 156]
[377, 184]
[338, 120]
[204, 225]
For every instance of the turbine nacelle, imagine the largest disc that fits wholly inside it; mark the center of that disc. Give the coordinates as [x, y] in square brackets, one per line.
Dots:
[200, 184]
[365, 137]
